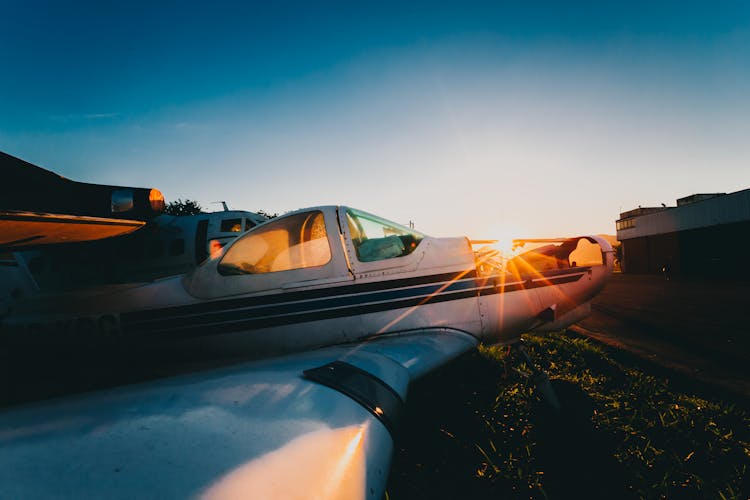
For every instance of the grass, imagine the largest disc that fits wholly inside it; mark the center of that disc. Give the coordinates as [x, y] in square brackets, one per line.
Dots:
[480, 430]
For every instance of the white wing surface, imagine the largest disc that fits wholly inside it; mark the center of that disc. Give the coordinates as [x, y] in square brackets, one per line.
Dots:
[312, 425]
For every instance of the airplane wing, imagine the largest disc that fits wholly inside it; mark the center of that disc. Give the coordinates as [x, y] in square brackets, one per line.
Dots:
[31, 188]
[20, 230]
[39, 207]
[313, 425]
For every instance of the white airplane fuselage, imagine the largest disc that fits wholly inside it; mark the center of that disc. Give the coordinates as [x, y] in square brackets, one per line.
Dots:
[334, 287]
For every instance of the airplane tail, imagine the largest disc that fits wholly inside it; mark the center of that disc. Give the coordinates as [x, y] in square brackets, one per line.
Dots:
[556, 280]
[570, 302]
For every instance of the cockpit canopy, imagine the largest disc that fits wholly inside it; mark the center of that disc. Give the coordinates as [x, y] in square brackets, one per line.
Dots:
[300, 240]
[293, 242]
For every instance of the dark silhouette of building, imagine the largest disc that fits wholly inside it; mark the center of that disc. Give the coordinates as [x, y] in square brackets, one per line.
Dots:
[705, 235]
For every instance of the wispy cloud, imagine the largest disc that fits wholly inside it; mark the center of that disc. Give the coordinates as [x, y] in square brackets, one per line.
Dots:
[190, 126]
[99, 116]
[74, 117]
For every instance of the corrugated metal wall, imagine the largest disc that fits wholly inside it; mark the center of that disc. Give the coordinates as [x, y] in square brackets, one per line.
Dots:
[716, 252]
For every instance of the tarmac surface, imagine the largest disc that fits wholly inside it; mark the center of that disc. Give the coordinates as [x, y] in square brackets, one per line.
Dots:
[697, 328]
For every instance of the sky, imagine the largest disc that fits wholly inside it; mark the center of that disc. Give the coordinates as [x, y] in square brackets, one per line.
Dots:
[487, 119]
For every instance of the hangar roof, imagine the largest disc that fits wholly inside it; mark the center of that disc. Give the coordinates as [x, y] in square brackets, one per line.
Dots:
[692, 212]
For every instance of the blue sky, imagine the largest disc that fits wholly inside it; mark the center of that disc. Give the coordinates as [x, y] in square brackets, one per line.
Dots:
[490, 119]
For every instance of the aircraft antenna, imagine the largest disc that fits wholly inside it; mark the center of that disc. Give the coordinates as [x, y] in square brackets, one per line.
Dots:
[223, 204]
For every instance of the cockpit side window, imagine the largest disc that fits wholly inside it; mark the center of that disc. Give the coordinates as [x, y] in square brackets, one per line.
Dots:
[293, 242]
[376, 239]
[231, 225]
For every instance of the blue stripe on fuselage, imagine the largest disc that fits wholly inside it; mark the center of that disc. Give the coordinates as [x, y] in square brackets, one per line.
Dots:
[249, 313]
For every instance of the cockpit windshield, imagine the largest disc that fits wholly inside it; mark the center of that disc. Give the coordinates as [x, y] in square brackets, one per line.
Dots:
[375, 238]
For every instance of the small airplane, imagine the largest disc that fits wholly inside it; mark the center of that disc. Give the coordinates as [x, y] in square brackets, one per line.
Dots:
[166, 245]
[57, 234]
[327, 314]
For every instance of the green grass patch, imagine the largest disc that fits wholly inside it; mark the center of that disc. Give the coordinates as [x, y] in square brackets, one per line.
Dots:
[481, 430]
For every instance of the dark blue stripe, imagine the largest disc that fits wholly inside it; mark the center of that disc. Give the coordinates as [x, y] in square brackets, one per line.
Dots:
[271, 299]
[326, 308]
[288, 319]
[287, 307]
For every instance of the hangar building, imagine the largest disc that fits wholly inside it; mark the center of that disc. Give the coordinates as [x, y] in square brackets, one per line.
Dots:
[705, 235]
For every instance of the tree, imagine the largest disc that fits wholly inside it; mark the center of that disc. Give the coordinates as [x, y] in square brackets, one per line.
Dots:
[180, 207]
[267, 214]
[618, 255]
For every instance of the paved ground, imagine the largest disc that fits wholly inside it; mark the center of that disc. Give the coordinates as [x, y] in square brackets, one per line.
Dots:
[701, 329]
